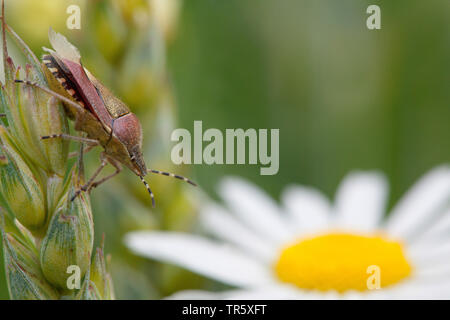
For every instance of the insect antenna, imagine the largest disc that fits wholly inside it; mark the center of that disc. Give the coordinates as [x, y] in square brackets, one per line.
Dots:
[149, 190]
[168, 174]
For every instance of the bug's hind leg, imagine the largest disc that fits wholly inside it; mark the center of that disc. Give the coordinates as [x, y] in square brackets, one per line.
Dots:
[91, 182]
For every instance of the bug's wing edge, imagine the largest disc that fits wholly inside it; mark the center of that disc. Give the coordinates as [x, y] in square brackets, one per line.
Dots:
[62, 46]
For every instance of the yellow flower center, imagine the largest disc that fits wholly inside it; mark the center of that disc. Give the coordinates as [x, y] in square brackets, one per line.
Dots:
[341, 262]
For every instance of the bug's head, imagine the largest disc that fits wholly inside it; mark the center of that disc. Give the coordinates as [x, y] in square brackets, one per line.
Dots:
[137, 160]
[128, 130]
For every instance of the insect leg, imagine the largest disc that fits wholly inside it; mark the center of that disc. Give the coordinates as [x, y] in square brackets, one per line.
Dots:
[85, 150]
[65, 100]
[168, 174]
[52, 93]
[91, 183]
[2, 115]
[91, 180]
[90, 142]
[118, 170]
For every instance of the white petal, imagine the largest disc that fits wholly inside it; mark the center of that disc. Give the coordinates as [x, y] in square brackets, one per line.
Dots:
[423, 255]
[200, 255]
[267, 294]
[360, 201]
[437, 272]
[256, 209]
[438, 231]
[420, 289]
[200, 295]
[420, 204]
[309, 209]
[223, 225]
[436, 291]
[366, 295]
[283, 292]
[274, 292]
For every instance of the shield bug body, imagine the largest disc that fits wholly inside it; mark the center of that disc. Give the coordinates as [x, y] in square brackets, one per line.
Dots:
[105, 120]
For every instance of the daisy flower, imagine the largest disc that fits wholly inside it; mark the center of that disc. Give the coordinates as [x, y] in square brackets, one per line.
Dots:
[308, 248]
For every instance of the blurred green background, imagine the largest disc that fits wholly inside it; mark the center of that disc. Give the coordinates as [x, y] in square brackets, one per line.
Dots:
[344, 98]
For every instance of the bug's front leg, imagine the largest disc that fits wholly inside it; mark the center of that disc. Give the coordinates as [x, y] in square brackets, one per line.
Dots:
[118, 168]
[91, 180]
[87, 141]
